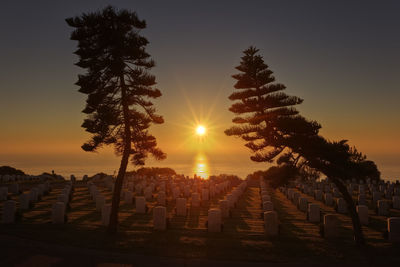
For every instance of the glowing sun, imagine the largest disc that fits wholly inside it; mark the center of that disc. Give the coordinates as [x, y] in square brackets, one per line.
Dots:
[200, 130]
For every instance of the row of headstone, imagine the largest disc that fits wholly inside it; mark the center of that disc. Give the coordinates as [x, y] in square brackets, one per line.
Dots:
[59, 208]
[5, 190]
[12, 188]
[382, 206]
[340, 205]
[387, 189]
[27, 199]
[393, 229]
[177, 187]
[215, 215]
[142, 189]
[10, 206]
[270, 217]
[100, 200]
[330, 222]
[312, 210]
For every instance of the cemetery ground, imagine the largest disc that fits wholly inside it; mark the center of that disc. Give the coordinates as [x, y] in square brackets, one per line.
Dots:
[82, 240]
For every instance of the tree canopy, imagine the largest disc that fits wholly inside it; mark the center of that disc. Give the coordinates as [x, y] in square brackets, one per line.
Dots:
[266, 116]
[119, 88]
[117, 82]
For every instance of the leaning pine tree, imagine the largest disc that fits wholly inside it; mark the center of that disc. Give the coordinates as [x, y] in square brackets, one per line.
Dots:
[273, 129]
[119, 87]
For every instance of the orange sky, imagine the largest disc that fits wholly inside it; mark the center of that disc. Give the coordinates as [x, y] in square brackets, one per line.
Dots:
[46, 143]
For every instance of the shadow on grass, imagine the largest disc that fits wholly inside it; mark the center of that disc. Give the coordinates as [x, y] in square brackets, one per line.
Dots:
[93, 216]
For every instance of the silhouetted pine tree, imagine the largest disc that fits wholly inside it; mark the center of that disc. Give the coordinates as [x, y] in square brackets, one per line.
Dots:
[118, 86]
[271, 126]
[261, 106]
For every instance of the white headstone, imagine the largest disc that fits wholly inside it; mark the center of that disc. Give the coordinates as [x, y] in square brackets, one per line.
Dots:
[181, 206]
[212, 191]
[175, 192]
[195, 200]
[24, 201]
[160, 218]
[383, 208]
[303, 204]
[341, 205]
[40, 190]
[223, 206]
[100, 201]
[187, 191]
[94, 192]
[231, 200]
[393, 228]
[205, 194]
[140, 204]
[328, 199]
[362, 211]
[9, 210]
[271, 225]
[313, 212]
[396, 202]
[375, 197]
[58, 214]
[33, 197]
[63, 198]
[214, 220]
[105, 214]
[128, 197]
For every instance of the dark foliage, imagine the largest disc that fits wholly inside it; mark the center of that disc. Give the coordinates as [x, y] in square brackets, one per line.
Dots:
[117, 82]
[7, 170]
[100, 175]
[265, 115]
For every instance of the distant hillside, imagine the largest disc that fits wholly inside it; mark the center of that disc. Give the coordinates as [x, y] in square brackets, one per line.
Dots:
[4, 170]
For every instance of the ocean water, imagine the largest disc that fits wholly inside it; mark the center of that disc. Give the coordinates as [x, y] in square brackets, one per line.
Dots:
[200, 164]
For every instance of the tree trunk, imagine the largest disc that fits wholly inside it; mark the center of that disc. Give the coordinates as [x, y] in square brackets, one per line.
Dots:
[112, 226]
[357, 229]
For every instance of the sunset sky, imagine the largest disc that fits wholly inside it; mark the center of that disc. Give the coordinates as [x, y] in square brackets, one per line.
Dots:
[342, 58]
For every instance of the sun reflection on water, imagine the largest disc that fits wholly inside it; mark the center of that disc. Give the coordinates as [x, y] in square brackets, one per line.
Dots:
[200, 166]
